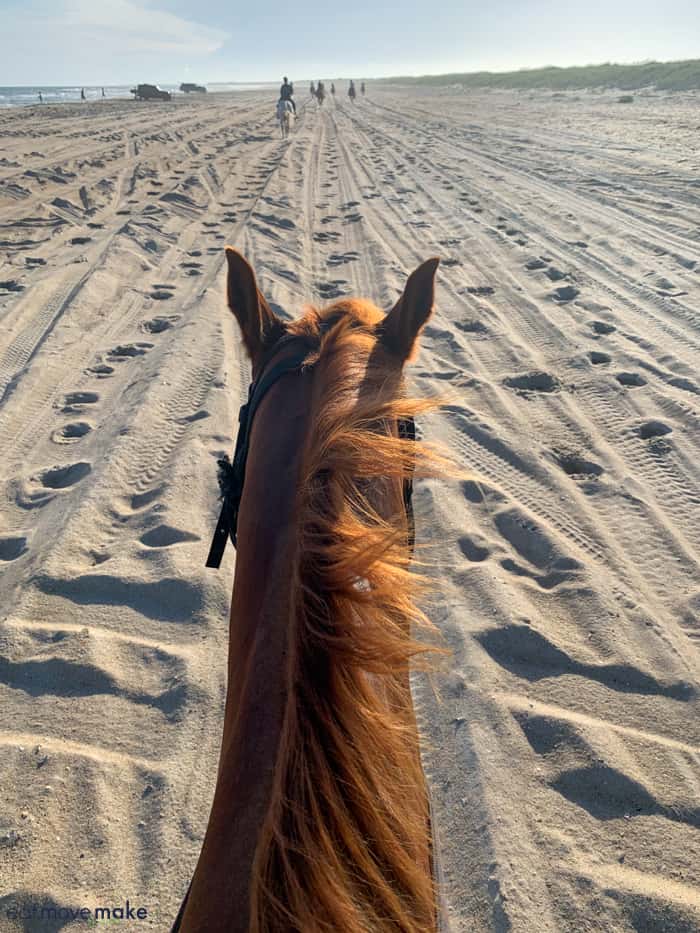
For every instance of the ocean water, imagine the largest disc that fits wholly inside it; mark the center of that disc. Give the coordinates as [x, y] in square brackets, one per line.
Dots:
[24, 96]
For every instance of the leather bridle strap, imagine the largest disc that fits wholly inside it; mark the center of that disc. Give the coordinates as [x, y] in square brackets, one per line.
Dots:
[232, 473]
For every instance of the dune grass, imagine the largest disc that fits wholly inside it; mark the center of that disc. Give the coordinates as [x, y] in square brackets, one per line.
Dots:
[669, 76]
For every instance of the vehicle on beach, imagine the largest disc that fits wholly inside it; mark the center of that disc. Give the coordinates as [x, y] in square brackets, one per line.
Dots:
[150, 92]
[193, 88]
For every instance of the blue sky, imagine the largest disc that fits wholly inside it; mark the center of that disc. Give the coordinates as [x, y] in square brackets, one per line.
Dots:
[123, 41]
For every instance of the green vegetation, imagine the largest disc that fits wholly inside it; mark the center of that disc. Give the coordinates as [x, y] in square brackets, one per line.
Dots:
[665, 76]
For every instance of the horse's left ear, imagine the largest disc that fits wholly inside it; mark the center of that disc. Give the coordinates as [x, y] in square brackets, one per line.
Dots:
[258, 322]
[400, 328]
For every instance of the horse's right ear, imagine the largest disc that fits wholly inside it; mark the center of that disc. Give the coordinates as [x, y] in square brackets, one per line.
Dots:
[258, 322]
[400, 328]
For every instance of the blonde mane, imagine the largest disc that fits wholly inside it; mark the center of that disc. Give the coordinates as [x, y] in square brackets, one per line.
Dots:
[346, 841]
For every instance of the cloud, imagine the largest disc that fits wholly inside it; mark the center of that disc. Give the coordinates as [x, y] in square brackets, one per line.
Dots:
[54, 41]
[140, 28]
[127, 25]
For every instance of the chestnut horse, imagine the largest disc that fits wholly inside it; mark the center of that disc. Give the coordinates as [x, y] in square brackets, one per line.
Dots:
[321, 815]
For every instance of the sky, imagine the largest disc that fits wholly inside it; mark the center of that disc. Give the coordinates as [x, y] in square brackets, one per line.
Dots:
[107, 42]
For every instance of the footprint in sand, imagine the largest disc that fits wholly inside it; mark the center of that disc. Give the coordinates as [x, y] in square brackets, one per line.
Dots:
[162, 292]
[33, 261]
[600, 327]
[477, 290]
[80, 240]
[12, 548]
[124, 351]
[74, 402]
[71, 433]
[191, 268]
[597, 358]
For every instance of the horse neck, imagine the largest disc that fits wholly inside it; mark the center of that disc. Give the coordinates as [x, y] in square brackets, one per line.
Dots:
[257, 674]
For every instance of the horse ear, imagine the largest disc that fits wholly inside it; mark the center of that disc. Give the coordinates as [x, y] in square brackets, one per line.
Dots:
[258, 322]
[403, 323]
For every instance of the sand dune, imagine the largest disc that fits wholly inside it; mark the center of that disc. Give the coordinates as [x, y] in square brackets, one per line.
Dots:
[563, 745]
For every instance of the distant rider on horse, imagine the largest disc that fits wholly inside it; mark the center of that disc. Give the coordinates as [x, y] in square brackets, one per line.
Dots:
[352, 93]
[287, 93]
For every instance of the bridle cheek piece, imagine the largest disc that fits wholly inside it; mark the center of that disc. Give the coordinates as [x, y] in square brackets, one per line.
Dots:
[231, 473]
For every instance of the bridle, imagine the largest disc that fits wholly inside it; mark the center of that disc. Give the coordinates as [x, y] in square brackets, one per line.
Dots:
[231, 473]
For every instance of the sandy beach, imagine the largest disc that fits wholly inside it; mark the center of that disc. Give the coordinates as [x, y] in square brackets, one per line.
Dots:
[562, 743]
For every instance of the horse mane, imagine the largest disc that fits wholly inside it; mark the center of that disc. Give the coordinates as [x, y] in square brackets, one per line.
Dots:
[346, 841]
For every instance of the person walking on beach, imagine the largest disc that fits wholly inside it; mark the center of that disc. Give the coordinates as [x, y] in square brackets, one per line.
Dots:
[287, 93]
[103, 93]
[41, 98]
[82, 93]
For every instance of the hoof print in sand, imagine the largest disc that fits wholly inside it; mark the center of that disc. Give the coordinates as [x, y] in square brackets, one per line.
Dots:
[565, 294]
[472, 550]
[631, 380]
[125, 351]
[71, 433]
[472, 327]
[597, 358]
[651, 429]
[12, 548]
[532, 382]
[573, 464]
[333, 289]
[101, 370]
[75, 401]
[325, 236]
[340, 259]
[166, 536]
[601, 327]
[161, 293]
[158, 325]
[42, 487]
[11, 285]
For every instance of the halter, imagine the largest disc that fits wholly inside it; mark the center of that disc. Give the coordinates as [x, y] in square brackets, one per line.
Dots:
[231, 474]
